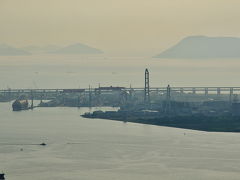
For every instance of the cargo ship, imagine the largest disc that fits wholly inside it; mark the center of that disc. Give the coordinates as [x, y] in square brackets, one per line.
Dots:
[19, 105]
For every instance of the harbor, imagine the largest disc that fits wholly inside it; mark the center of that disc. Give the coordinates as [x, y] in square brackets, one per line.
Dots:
[199, 108]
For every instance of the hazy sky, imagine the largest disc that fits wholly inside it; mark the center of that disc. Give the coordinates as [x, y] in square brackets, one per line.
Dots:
[116, 26]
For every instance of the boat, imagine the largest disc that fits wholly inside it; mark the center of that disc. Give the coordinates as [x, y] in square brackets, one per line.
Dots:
[19, 105]
[2, 176]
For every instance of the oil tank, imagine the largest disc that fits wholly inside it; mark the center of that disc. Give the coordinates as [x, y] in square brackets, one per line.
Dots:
[19, 105]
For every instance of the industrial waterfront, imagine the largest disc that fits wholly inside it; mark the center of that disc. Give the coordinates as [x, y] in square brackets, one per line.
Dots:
[102, 149]
[200, 108]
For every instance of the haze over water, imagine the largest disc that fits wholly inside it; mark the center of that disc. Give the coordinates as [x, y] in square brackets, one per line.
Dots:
[72, 71]
[129, 33]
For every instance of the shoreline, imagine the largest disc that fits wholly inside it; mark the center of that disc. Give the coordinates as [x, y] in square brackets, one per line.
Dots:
[200, 123]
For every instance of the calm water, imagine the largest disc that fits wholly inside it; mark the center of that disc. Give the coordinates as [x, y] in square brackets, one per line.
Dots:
[94, 149]
[54, 71]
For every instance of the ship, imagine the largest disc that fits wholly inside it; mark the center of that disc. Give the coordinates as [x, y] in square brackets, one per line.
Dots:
[19, 105]
[2, 176]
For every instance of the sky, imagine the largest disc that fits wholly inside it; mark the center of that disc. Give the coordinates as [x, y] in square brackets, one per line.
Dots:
[131, 27]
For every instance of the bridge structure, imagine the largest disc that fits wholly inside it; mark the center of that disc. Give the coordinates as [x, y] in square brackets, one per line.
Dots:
[182, 89]
[95, 96]
[123, 96]
[147, 90]
[106, 90]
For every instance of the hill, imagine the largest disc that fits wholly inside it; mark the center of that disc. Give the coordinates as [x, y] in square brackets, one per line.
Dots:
[77, 49]
[6, 50]
[200, 47]
[40, 49]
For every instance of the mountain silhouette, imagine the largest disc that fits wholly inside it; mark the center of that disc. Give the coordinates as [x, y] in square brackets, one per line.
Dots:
[77, 49]
[201, 47]
[6, 50]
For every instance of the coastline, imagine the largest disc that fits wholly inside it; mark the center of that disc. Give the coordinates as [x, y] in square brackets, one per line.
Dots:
[200, 123]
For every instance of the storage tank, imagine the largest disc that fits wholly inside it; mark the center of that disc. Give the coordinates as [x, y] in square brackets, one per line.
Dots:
[19, 105]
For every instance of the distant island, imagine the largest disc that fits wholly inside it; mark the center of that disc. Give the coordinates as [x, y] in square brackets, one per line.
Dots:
[203, 47]
[40, 49]
[6, 50]
[77, 49]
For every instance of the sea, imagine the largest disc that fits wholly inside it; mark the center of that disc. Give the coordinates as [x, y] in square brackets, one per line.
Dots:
[95, 149]
[72, 71]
